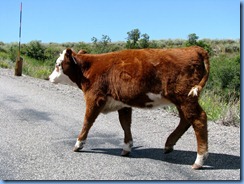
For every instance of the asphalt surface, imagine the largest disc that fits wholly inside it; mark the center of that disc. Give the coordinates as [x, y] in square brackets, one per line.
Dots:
[40, 121]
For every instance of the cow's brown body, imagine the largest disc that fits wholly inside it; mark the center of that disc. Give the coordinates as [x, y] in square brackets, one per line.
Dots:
[143, 78]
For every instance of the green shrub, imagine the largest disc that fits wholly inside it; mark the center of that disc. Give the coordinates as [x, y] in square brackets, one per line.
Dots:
[36, 50]
[51, 53]
[224, 77]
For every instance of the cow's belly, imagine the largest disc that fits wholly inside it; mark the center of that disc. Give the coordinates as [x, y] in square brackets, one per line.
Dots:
[156, 100]
[113, 105]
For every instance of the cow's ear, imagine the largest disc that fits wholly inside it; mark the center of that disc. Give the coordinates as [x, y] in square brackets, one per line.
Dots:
[68, 52]
[82, 52]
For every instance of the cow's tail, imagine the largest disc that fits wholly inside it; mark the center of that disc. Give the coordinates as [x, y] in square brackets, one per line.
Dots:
[195, 91]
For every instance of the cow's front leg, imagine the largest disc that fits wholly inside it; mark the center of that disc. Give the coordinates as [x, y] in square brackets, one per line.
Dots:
[93, 108]
[81, 140]
[125, 121]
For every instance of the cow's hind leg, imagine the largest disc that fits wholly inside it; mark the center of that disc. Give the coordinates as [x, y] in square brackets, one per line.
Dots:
[200, 128]
[198, 118]
[177, 133]
[125, 121]
[92, 111]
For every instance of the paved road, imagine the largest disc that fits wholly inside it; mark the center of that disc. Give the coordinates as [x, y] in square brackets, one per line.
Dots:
[39, 123]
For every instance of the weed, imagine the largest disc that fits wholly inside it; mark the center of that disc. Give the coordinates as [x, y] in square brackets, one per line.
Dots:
[231, 114]
[220, 110]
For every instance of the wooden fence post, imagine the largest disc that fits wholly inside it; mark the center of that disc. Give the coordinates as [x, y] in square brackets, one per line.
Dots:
[18, 66]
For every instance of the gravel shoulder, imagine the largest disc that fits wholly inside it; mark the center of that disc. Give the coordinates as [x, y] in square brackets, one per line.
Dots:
[39, 123]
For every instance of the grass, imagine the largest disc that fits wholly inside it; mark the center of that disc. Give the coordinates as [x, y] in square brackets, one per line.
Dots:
[231, 114]
[37, 69]
[220, 110]
[5, 62]
[213, 105]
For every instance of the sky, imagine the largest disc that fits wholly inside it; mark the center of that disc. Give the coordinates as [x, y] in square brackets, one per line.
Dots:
[79, 20]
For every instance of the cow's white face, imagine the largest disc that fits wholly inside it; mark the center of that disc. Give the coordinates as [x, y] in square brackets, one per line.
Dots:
[58, 75]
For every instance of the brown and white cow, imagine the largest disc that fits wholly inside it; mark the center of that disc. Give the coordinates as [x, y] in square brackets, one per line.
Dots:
[143, 78]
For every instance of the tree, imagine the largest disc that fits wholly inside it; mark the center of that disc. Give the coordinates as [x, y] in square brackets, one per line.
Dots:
[135, 40]
[105, 40]
[101, 46]
[132, 39]
[192, 39]
[144, 41]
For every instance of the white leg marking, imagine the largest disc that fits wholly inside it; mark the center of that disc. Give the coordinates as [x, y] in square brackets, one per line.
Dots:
[200, 160]
[128, 146]
[80, 144]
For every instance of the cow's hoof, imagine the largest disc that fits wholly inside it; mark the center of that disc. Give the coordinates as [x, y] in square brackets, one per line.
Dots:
[125, 153]
[196, 166]
[168, 150]
[76, 149]
[79, 145]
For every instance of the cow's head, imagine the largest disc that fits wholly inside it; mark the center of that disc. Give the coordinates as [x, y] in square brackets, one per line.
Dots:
[63, 69]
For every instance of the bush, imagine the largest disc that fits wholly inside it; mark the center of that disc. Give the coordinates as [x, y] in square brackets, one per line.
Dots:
[82, 46]
[224, 77]
[36, 50]
[13, 53]
[193, 40]
[51, 53]
[101, 46]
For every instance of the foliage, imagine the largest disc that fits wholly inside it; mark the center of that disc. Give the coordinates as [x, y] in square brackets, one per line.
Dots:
[220, 110]
[36, 50]
[13, 52]
[225, 76]
[213, 105]
[101, 46]
[82, 46]
[144, 41]
[36, 68]
[134, 41]
[193, 40]
[51, 53]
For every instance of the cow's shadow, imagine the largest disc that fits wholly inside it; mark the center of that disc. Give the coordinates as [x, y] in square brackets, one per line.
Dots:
[214, 161]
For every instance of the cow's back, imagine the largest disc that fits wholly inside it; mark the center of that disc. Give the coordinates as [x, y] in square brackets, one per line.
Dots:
[135, 72]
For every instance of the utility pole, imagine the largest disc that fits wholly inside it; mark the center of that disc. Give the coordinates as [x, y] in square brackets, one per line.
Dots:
[19, 60]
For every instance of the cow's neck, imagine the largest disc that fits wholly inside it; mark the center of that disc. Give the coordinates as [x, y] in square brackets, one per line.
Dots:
[81, 65]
